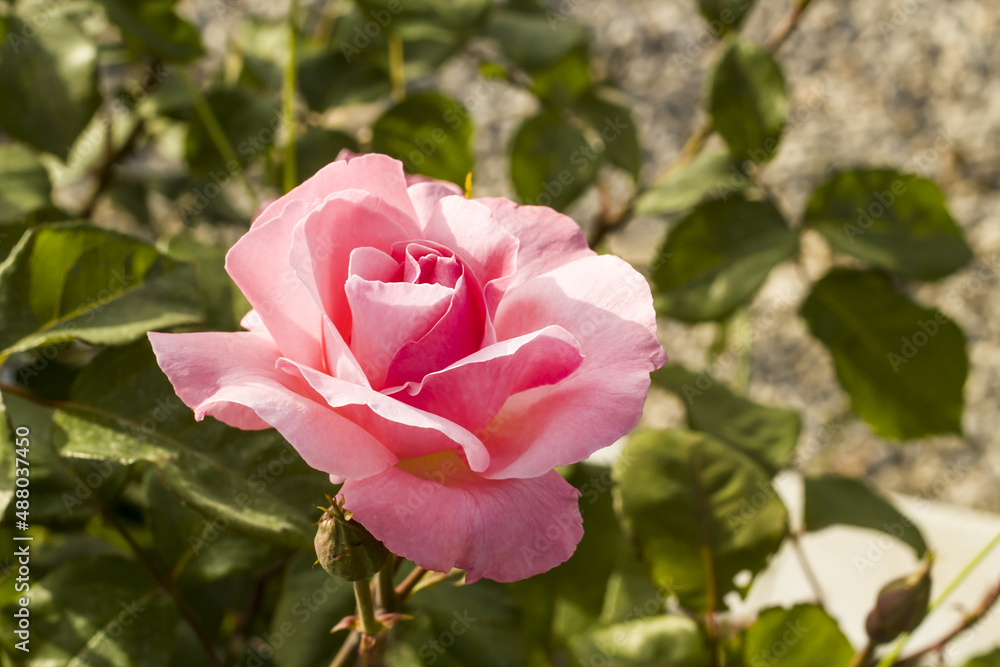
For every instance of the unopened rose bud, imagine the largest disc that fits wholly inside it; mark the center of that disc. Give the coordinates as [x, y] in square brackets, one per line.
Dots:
[345, 549]
[901, 606]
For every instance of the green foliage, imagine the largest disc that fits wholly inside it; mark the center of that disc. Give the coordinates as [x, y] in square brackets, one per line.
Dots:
[700, 512]
[48, 82]
[430, 133]
[802, 636]
[717, 256]
[122, 408]
[72, 280]
[767, 434]
[530, 40]
[724, 16]
[251, 127]
[903, 365]
[24, 183]
[832, 500]
[101, 610]
[899, 222]
[661, 641]
[551, 161]
[152, 28]
[713, 174]
[612, 119]
[747, 100]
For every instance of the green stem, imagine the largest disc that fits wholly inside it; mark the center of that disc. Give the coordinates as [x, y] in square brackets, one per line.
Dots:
[218, 136]
[366, 608]
[288, 101]
[396, 70]
[900, 645]
[386, 588]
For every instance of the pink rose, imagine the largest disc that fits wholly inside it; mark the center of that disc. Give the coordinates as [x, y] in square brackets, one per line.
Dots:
[439, 355]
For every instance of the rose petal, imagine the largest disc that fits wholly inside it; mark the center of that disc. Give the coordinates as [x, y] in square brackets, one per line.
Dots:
[321, 249]
[258, 264]
[407, 431]
[548, 239]
[457, 334]
[386, 316]
[472, 391]
[232, 377]
[606, 306]
[446, 517]
[469, 229]
[425, 195]
[372, 264]
[379, 175]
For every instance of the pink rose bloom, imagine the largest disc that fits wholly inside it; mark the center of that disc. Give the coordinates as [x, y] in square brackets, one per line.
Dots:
[439, 355]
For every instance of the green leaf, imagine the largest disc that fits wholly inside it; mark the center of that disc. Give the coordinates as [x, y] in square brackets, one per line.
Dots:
[724, 16]
[329, 79]
[48, 82]
[430, 133]
[767, 434]
[832, 500]
[73, 281]
[903, 365]
[659, 641]
[802, 636]
[63, 491]
[194, 547]
[717, 256]
[747, 100]
[458, 625]
[612, 119]
[24, 183]
[712, 174]
[897, 221]
[122, 408]
[534, 39]
[310, 602]
[102, 610]
[991, 659]
[551, 162]
[151, 27]
[250, 126]
[565, 80]
[699, 511]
